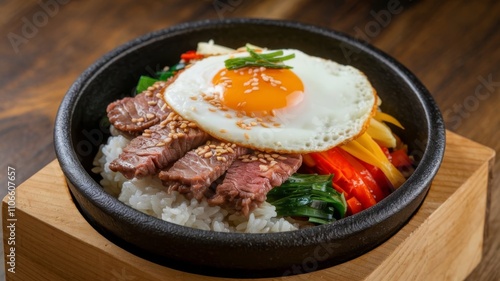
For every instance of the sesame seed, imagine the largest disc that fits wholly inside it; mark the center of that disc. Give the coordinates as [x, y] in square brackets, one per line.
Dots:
[255, 88]
[193, 97]
[160, 144]
[151, 88]
[247, 91]
[134, 120]
[274, 155]
[208, 154]
[222, 131]
[263, 168]
[246, 136]
[246, 160]
[164, 106]
[265, 125]
[146, 135]
[140, 119]
[230, 149]
[255, 84]
[281, 157]
[227, 115]
[212, 109]
[158, 95]
[148, 94]
[150, 116]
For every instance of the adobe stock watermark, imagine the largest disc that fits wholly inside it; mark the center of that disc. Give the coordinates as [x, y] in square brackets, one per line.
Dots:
[10, 223]
[31, 25]
[372, 29]
[471, 103]
[222, 7]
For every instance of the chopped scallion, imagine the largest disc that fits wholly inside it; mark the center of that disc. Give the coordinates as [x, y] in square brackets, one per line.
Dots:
[270, 60]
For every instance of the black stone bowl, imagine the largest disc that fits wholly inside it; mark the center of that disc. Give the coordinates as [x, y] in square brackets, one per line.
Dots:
[79, 132]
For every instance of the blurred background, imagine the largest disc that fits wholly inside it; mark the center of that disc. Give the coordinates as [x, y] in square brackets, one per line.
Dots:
[452, 46]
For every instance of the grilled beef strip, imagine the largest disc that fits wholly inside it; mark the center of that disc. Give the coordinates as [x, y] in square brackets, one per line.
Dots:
[158, 147]
[194, 172]
[249, 179]
[133, 115]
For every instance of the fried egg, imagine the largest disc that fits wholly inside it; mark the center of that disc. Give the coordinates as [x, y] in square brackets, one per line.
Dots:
[315, 105]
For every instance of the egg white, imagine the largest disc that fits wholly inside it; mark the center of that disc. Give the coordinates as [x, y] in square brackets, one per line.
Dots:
[338, 102]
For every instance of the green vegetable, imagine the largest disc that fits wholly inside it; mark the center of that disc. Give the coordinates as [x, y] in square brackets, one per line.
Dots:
[147, 81]
[144, 83]
[311, 196]
[269, 60]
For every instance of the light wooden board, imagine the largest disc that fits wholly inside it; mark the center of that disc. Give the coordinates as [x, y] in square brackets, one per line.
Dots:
[442, 241]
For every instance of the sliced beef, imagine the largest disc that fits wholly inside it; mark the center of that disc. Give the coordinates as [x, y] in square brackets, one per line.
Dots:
[158, 147]
[251, 177]
[135, 114]
[195, 171]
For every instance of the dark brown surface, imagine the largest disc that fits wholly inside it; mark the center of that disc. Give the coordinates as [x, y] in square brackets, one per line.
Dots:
[453, 47]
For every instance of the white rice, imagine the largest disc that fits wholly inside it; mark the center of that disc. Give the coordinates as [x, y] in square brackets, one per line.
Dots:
[149, 196]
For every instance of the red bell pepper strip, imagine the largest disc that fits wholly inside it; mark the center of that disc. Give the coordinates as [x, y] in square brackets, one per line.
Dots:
[365, 175]
[191, 55]
[353, 206]
[400, 158]
[345, 175]
[379, 176]
[386, 152]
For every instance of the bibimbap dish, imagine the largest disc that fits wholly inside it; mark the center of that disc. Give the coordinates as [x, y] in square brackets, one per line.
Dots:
[245, 147]
[252, 140]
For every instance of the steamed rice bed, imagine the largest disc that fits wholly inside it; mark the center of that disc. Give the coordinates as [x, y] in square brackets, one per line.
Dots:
[148, 195]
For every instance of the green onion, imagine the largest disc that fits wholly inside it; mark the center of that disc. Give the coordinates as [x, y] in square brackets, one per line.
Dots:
[269, 60]
[311, 196]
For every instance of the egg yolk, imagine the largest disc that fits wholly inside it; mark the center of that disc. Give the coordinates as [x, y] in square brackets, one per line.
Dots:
[259, 90]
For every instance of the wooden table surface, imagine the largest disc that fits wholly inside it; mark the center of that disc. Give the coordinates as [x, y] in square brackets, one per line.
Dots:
[453, 47]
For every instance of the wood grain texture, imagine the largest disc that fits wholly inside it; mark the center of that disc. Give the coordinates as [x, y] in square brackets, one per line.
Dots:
[452, 46]
[438, 243]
